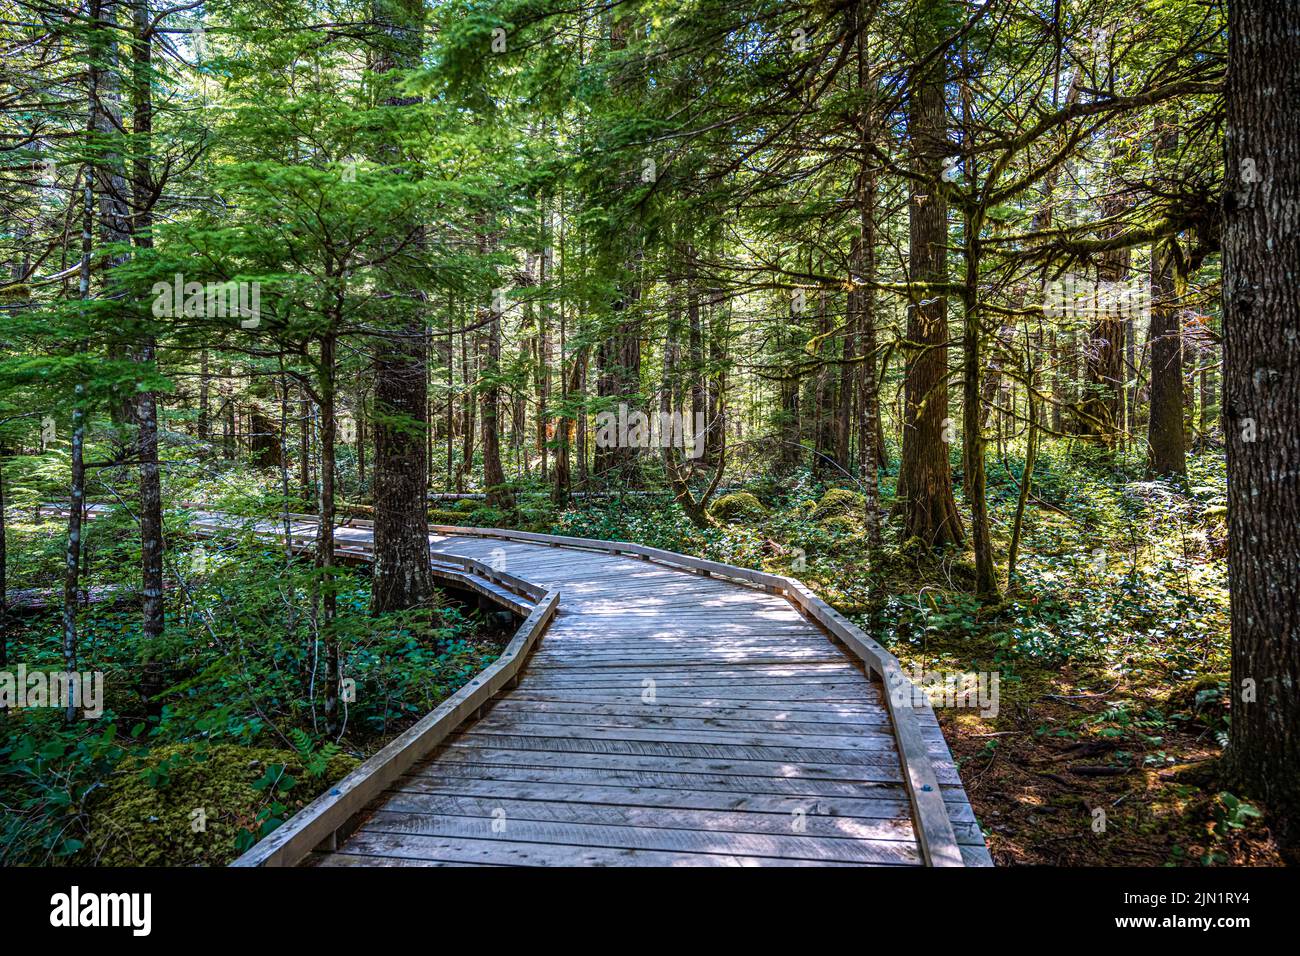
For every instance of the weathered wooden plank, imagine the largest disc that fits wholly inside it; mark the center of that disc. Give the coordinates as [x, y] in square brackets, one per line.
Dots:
[784, 673]
[880, 741]
[885, 806]
[492, 787]
[616, 743]
[673, 698]
[560, 659]
[524, 757]
[741, 712]
[742, 648]
[718, 729]
[662, 839]
[472, 766]
[796, 696]
[501, 717]
[803, 820]
[421, 850]
[695, 676]
[614, 806]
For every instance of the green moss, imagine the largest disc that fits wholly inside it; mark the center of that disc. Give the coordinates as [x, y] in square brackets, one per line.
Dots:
[767, 489]
[439, 516]
[738, 505]
[467, 504]
[145, 815]
[837, 502]
[841, 524]
[1206, 698]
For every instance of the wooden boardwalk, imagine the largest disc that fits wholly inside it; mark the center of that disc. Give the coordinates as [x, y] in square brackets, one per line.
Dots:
[665, 717]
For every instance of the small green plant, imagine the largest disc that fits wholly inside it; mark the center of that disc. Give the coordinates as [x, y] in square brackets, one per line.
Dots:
[315, 759]
[1232, 813]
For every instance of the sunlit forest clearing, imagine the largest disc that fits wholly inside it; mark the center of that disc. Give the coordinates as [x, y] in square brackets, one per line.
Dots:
[978, 319]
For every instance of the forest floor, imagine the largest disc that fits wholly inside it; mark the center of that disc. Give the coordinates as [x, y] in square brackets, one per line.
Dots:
[1111, 653]
[1037, 794]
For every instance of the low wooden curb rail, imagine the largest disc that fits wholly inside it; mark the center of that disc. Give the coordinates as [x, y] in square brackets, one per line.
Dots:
[935, 837]
[321, 821]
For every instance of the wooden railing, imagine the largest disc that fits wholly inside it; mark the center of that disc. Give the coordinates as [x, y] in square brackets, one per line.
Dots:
[322, 819]
[320, 822]
[934, 833]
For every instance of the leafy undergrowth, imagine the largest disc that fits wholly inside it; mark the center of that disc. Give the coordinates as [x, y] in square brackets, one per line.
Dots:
[223, 716]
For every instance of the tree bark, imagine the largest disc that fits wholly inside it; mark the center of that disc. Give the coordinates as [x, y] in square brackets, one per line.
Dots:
[325, 541]
[1103, 401]
[402, 576]
[146, 409]
[1166, 443]
[925, 478]
[1166, 446]
[973, 441]
[205, 414]
[304, 448]
[1261, 245]
[494, 476]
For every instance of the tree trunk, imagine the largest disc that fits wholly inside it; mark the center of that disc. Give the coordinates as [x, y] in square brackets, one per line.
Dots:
[1262, 403]
[544, 359]
[229, 436]
[72, 556]
[205, 416]
[925, 478]
[1165, 438]
[146, 410]
[695, 340]
[325, 541]
[363, 437]
[868, 386]
[402, 578]
[714, 437]
[1103, 402]
[494, 476]
[973, 441]
[790, 449]
[304, 448]
[1031, 457]
[823, 392]
[469, 406]
[263, 441]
